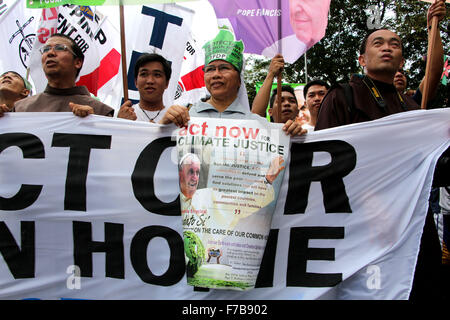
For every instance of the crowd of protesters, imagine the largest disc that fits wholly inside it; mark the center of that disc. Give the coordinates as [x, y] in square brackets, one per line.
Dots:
[379, 92]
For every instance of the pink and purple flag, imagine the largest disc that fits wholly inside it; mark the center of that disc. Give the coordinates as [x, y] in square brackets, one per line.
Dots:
[268, 27]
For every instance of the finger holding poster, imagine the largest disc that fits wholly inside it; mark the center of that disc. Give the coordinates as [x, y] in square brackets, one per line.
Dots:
[227, 216]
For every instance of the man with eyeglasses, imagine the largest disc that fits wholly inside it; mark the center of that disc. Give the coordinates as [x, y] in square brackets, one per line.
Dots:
[62, 61]
[13, 87]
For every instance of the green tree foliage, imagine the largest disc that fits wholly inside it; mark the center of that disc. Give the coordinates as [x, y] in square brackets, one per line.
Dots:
[410, 24]
[335, 57]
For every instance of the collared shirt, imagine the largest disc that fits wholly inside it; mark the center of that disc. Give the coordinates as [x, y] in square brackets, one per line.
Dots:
[57, 100]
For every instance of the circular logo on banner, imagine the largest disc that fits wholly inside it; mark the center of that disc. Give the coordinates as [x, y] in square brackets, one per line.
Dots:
[25, 46]
[179, 91]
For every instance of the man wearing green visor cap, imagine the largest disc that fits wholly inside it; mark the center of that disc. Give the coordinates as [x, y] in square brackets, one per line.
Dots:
[13, 87]
[224, 61]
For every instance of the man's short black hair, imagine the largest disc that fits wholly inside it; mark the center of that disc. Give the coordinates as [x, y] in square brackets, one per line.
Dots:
[283, 88]
[314, 83]
[362, 48]
[150, 57]
[78, 53]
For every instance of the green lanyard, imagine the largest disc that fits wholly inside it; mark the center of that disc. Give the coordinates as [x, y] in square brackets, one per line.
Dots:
[377, 96]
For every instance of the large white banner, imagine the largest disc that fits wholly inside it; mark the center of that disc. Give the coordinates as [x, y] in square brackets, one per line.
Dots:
[89, 209]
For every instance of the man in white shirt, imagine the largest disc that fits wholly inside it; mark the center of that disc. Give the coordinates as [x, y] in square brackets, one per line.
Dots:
[151, 76]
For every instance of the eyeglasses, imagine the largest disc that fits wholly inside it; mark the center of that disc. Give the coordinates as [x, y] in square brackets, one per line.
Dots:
[57, 48]
[221, 67]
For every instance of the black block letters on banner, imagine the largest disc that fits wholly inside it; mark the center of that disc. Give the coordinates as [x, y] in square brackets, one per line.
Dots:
[84, 247]
[21, 262]
[162, 20]
[138, 254]
[77, 169]
[143, 183]
[21, 259]
[300, 253]
[302, 173]
[267, 268]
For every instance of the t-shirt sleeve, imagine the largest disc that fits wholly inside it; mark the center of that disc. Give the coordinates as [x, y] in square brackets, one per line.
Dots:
[110, 113]
[103, 110]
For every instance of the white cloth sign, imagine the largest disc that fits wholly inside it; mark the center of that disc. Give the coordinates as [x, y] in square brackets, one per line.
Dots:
[98, 197]
[17, 35]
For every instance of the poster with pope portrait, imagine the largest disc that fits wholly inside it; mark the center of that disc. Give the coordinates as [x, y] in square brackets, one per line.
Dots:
[268, 27]
[230, 173]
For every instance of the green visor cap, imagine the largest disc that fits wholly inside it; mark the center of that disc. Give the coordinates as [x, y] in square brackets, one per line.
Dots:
[224, 47]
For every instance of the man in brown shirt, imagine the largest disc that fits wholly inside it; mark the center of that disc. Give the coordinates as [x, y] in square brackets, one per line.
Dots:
[62, 61]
